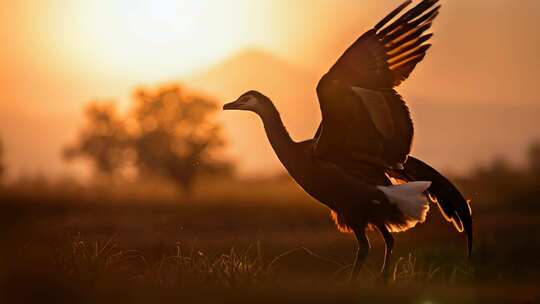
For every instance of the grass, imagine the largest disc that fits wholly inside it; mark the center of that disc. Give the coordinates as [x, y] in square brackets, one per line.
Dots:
[241, 274]
[89, 263]
[84, 246]
[409, 270]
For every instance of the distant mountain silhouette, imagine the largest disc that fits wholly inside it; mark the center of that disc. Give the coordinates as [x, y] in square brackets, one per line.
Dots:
[291, 87]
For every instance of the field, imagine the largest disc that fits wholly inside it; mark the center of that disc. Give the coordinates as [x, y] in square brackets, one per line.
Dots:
[244, 241]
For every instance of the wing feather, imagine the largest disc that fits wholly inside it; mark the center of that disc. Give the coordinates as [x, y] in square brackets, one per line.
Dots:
[410, 15]
[374, 120]
[378, 109]
[411, 45]
[392, 14]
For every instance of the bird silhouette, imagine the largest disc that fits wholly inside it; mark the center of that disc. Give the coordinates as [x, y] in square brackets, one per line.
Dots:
[358, 162]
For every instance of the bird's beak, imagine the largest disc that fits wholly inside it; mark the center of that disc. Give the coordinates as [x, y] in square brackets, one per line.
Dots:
[232, 105]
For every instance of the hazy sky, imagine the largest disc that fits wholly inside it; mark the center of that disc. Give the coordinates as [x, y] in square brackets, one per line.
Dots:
[56, 55]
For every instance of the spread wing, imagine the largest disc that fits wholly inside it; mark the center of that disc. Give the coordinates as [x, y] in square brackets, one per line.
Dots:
[364, 118]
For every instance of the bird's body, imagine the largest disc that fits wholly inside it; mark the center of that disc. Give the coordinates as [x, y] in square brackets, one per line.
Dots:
[362, 145]
[346, 195]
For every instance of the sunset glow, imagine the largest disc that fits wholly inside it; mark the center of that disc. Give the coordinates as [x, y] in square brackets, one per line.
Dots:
[155, 39]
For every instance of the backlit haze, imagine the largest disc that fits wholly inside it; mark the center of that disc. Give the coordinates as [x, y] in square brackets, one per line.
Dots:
[473, 98]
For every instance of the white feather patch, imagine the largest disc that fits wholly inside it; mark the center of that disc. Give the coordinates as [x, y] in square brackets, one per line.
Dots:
[410, 199]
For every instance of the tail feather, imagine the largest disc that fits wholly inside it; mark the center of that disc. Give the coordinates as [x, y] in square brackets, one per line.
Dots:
[454, 207]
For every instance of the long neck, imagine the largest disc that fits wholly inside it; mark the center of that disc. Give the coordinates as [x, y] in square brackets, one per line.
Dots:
[280, 139]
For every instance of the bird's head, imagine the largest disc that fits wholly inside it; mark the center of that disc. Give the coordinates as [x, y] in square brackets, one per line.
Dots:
[251, 101]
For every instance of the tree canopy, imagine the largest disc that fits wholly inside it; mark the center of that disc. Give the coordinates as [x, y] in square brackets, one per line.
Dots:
[168, 131]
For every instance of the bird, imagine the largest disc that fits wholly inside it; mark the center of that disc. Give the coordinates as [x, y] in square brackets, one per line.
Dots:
[358, 163]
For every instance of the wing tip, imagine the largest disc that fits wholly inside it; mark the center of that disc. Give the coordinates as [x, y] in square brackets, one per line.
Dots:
[412, 14]
[392, 14]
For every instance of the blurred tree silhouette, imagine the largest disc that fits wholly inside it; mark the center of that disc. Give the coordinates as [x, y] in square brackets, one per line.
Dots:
[167, 132]
[534, 158]
[174, 135]
[103, 140]
[501, 184]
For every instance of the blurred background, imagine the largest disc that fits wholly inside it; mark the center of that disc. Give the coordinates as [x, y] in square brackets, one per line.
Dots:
[113, 148]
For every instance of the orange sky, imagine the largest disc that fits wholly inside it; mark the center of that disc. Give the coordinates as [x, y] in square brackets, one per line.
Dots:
[57, 55]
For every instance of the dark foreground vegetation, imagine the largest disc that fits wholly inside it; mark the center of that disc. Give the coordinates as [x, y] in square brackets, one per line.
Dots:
[244, 241]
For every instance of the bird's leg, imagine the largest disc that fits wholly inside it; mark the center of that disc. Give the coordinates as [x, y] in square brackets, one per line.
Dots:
[389, 242]
[361, 254]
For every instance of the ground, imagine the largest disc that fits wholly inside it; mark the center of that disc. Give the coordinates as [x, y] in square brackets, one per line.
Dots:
[270, 244]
